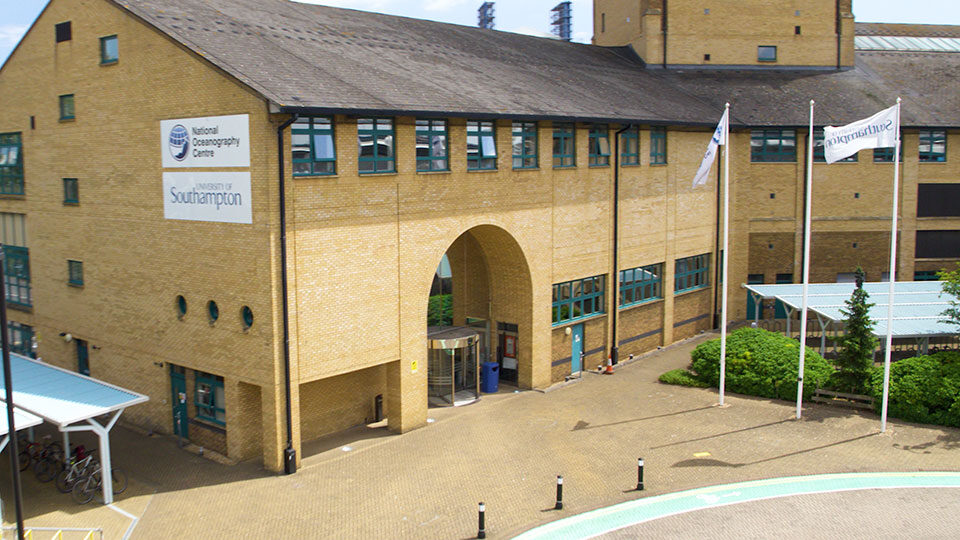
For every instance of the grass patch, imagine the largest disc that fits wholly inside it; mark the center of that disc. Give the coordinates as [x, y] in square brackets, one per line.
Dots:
[682, 377]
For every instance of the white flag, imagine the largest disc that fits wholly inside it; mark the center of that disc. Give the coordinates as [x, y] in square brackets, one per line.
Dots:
[719, 137]
[878, 131]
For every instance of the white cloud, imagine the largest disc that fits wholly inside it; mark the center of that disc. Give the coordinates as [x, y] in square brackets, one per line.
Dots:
[528, 31]
[10, 34]
[442, 5]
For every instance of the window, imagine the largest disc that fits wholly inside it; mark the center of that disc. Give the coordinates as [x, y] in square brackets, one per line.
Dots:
[525, 155]
[577, 299]
[691, 273]
[846, 277]
[313, 147]
[246, 315]
[375, 136]
[938, 244]
[658, 145]
[11, 164]
[630, 147]
[885, 155]
[818, 150]
[564, 145]
[784, 278]
[66, 107]
[109, 50]
[641, 284]
[75, 273]
[599, 145]
[766, 53]
[63, 31]
[209, 399]
[933, 145]
[21, 339]
[773, 145]
[431, 145]
[938, 200]
[925, 275]
[16, 261]
[71, 193]
[213, 311]
[181, 306]
[481, 146]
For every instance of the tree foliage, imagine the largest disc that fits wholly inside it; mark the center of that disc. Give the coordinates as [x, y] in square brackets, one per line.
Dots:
[951, 286]
[923, 389]
[440, 310]
[857, 346]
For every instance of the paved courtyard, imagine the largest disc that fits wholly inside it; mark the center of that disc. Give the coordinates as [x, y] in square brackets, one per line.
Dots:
[506, 451]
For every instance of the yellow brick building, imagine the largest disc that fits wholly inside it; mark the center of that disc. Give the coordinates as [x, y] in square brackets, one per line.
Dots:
[265, 293]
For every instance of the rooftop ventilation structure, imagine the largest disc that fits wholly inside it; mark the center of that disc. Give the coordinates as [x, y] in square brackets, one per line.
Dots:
[485, 15]
[561, 20]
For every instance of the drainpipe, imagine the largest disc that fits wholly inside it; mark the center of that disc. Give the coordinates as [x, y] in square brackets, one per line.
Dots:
[289, 453]
[663, 27]
[614, 346]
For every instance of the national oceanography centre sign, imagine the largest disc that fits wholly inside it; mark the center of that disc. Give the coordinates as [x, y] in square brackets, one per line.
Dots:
[208, 142]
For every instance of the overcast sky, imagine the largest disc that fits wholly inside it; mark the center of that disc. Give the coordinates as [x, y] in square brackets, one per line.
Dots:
[523, 16]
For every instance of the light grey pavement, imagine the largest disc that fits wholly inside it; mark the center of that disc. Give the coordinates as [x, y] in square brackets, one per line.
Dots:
[505, 450]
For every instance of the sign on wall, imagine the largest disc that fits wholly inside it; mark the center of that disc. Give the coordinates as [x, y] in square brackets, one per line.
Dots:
[207, 196]
[213, 141]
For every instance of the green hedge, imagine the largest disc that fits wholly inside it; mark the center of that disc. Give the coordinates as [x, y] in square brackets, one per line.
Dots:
[682, 377]
[761, 363]
[923, 389]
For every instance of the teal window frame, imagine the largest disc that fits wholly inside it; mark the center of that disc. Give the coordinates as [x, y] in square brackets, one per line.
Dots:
[481, 141]
[658, 145]
[819, 152]
[761, 49]
[691, 273]
[928, 151]
[313, 146]
[885, 155]
[209, 398]
[564, 145]
[11, 164]
[246, 316]
[21, 339]
[641, 284]
[71, 191]
[773, 145]
[578, 299]
[432, 145]
[68, 109]
[75, 273]
[380, 135]
[108, 56]
[526, 153]
[599, 145]
[16, 266]
[630, 147]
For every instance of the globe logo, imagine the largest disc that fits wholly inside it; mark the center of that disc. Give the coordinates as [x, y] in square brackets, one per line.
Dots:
[179, 142]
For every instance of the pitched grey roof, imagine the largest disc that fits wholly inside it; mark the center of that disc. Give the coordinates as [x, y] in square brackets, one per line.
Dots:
[339, 60]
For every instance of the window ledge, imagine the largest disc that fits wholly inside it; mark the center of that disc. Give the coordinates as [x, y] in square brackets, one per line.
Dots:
[659, 164]
[67, 120]
[71, 203]
[435, 172]
[629, 164]
[932, 162]
[690, 291]
[312, 176]
[12, 196]
[794, 162]
[109, 63]
[75, 284]
[607, 166]
[384, 173]
[20, 307]
[933, 218]
[484, 170]
[526, 168]
[564, 324]
[649, 302]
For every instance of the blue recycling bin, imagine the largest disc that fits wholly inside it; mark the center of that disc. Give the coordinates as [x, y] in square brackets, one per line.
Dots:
[489, 377]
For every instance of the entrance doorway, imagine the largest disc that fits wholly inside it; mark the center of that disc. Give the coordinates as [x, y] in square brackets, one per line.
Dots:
[507, 352]
[178, 391]
[83, 358]
[576, 348]
[453, 375]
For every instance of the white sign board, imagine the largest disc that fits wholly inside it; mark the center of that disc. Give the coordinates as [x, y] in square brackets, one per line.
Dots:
[207, 196]
[214, 141]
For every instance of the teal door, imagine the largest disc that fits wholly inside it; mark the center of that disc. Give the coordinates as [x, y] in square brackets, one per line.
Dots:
[752, 313]
[178, 389]
[576, 348]
[781, 311]
[83, 358]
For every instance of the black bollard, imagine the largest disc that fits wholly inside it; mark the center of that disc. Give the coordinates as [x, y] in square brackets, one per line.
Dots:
[639, 474]
[559, 505]
[482, 533]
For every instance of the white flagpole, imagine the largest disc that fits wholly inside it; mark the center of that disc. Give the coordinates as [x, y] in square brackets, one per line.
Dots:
[806, 262]
[726, 252]
[893, 275]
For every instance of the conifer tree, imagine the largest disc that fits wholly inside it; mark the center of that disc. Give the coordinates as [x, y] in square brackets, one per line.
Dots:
[858, 343]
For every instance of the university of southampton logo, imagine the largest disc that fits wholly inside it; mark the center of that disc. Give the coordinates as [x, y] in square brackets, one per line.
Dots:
[179, 142]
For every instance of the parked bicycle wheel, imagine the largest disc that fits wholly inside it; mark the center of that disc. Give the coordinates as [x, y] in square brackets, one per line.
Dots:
[24, 460]
[66, 479]
[84, 490]
[119, 480]
[46, 469]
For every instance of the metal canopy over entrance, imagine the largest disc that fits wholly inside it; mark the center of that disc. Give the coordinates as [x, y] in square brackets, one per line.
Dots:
[72, 402]
[916, 306]
[21, 420]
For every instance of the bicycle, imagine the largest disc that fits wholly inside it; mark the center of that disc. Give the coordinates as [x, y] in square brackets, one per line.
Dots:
[33, 451]
[80, 465]
[85, 489]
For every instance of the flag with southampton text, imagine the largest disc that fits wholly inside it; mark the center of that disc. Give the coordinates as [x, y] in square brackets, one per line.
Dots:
[719, 137]
[878, 131]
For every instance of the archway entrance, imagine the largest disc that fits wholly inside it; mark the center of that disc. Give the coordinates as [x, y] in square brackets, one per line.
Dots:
[483, 287]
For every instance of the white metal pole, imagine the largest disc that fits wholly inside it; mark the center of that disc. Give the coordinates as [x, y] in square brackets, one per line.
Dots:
[893, 275]
[806, 262]
[726, 252]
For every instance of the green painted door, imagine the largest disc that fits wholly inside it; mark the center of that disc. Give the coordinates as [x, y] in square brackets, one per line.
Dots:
[753, 279]
[83, 358]
[178, 389]
[576, 348]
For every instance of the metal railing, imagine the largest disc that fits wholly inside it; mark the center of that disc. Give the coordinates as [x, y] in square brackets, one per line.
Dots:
[59, 533]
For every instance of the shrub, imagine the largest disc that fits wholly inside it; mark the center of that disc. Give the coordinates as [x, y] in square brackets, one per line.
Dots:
[682, 377]
[761, 363]
[923, 389]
